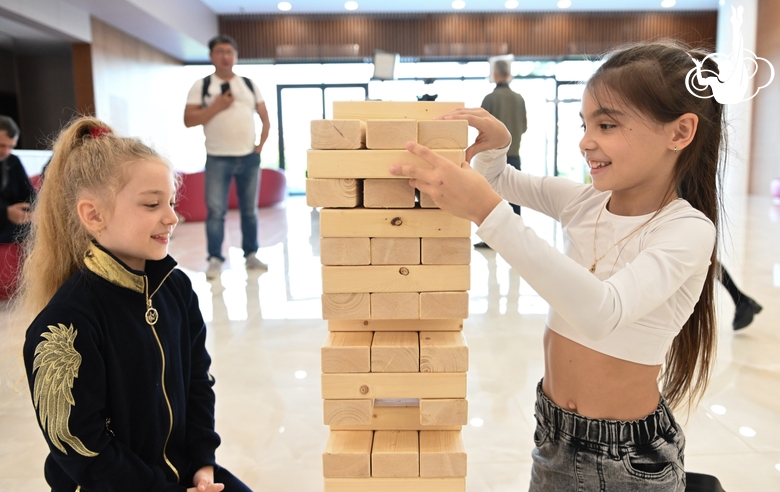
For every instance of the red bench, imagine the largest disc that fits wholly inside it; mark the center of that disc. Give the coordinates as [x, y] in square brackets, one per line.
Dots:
[192, 202]
[9, 269]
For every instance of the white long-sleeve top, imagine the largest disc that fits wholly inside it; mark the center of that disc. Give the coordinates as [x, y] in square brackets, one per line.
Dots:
[643, 290]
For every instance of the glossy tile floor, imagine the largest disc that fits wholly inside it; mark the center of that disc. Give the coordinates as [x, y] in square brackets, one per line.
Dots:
[265, 333]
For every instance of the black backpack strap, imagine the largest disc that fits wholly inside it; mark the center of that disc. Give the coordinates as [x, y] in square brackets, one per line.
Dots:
[251, 87]
[204, 92]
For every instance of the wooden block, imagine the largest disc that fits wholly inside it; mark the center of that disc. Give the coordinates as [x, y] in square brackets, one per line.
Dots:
[395, 454]
[443, 134]
[395, 351]
[336, 193]
[444, 250]
[426, 201]
[395, 305]
[347, 454]
[338, 134]
[395, 484]
[348, 412]
[388, 385]
[391, 134]
[443, 351]
[442, 454]
[395, 251]
[361, 164]
[345, 250]
[392, 110]
[347, 352]
[380, 278]
[387, 193]
[444, 412]
[402, 416]
[395, 325]
[444, 305]
[392, 223]
[346, 306]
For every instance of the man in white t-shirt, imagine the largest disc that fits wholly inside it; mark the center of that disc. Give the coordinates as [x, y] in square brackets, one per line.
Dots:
[224, 104]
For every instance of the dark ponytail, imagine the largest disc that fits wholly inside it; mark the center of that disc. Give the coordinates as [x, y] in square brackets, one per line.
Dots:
[651, 78]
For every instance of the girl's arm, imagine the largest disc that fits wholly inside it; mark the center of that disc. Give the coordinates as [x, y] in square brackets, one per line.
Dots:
[674, 252]
[545, 194]
[65, 369]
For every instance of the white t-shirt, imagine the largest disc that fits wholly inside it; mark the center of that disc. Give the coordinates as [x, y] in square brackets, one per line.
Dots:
[643, 290]
[231, 132]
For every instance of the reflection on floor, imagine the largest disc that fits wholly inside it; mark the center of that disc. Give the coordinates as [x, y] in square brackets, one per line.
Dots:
[265, 333]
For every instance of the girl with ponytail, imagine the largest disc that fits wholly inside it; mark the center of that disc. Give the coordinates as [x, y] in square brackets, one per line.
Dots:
[631, 327]
[115, 351]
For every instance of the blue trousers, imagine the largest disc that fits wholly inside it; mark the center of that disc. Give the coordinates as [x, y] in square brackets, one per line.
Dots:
[220, 171]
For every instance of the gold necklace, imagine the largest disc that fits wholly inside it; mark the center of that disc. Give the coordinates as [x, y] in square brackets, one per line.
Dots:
[596, 231]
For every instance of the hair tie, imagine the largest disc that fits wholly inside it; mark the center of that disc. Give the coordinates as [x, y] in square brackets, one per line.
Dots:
[98, 131]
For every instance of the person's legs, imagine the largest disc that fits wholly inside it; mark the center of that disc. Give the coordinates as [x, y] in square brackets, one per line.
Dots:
[514, 161]
[729, 284]
[745, 308]
[247, 187]
[219, 171]
[573, 452]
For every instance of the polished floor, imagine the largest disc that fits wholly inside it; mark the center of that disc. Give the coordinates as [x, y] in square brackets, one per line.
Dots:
[265, 333]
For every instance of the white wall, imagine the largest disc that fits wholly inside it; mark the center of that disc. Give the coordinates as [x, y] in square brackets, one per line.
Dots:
[740, 117]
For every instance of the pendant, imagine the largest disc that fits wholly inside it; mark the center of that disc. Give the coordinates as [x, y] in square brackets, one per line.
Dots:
[593, 268]
[151, 316]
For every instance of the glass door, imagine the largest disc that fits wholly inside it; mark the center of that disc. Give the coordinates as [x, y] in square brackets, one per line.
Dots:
[298, 105]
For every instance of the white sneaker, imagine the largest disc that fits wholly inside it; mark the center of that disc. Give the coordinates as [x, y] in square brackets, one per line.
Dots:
[252, 263]
[215, 268]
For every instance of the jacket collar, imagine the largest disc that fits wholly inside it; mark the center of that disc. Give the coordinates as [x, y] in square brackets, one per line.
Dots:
[108, 267]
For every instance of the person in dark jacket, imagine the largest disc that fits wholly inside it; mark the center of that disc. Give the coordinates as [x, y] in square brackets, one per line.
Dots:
[115, 355]
[16, 191]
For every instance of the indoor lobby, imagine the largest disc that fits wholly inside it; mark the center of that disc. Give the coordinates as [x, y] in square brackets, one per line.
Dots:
[265, 329]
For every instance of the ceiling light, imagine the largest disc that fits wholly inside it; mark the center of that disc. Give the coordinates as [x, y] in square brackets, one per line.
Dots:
[300, 374]
[564, 4]
[458, 4]
[747, 432]
[718, 409]
[284, 6]
[512, 4]
[351, 5]
[477, 422]
[667, 4]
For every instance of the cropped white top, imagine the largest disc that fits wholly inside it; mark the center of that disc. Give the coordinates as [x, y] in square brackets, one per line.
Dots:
[643, 290]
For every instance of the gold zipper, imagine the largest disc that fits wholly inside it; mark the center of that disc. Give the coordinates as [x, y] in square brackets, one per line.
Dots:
[151, 318]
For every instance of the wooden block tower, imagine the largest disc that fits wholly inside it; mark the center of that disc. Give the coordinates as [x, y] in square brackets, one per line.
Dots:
[395, 277]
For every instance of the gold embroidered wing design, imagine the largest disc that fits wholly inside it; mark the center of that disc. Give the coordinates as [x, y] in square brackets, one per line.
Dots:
[57, 364]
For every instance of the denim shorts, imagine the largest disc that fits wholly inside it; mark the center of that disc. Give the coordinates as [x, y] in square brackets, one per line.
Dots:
[576, 453]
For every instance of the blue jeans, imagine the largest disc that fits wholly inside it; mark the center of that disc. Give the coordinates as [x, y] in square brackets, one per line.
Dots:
[220, 170]
[576, 453]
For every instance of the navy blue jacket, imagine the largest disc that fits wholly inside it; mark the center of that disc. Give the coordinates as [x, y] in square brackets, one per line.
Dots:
[124, 405]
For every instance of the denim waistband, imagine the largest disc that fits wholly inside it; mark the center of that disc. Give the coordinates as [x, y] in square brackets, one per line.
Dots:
[608, 432]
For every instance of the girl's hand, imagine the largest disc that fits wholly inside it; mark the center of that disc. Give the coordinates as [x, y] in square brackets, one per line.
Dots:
[492, 133]
[203, 480]
[458, 190]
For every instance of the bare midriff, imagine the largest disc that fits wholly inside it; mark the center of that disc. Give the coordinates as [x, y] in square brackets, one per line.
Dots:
[594, 385]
